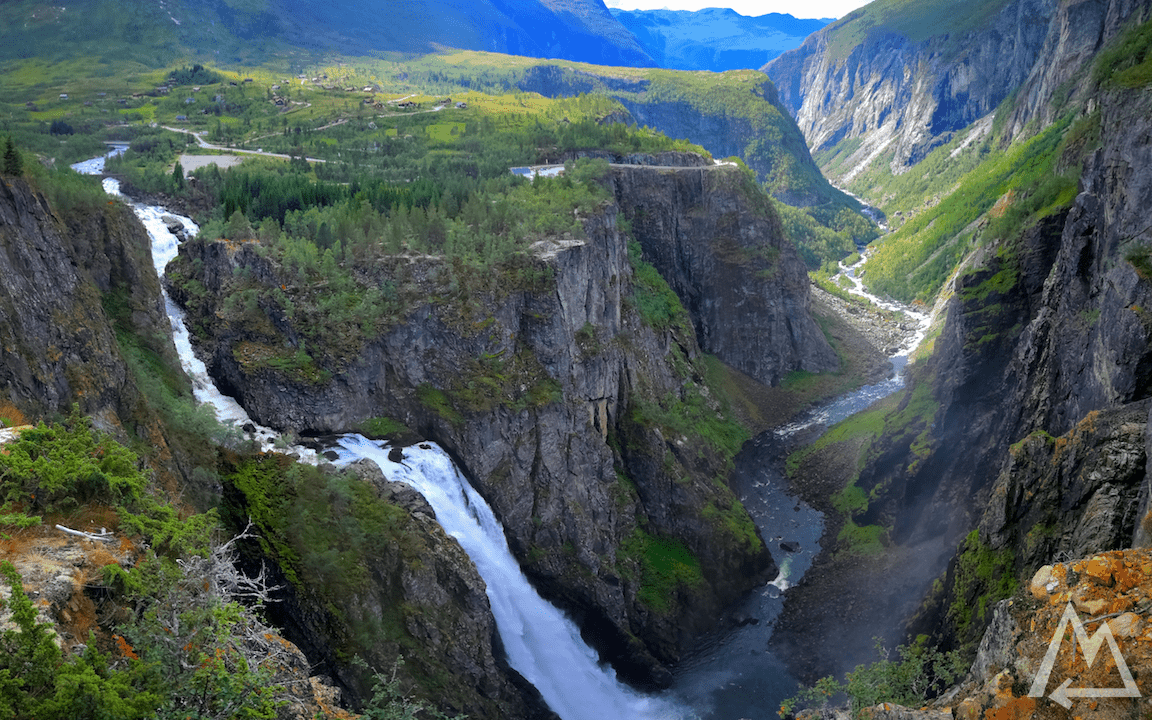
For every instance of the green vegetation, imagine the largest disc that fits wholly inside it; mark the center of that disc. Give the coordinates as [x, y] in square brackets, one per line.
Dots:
[383, 427]
[318, 526]
[917, 674]
[200, 670]
[13, 161]
[665, 564]
[1031, 179]
[982, 577]
[655, 300]
[1127, 61]
[904, 419]
[917, 20]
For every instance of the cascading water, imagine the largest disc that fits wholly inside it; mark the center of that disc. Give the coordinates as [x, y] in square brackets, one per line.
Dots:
[853, 402]
[731, 677]
[541, 643]
[165, 243]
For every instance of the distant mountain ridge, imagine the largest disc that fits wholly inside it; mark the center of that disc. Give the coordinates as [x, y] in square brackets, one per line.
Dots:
[228, 30]
[715, 39]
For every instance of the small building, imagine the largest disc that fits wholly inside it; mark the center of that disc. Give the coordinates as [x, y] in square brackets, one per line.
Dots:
[196, 89]
[462, 105]
[63, 96]
[189, 100]
[181, 118]
[275, 88]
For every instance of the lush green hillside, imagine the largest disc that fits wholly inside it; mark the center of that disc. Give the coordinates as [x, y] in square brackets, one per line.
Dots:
[916, 20]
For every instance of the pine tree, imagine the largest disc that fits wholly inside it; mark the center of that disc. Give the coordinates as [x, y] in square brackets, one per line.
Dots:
[13, 162]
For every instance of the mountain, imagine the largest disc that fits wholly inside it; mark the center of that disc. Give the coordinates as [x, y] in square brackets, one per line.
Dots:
[231, 31]
[715, 39]
[899, 78]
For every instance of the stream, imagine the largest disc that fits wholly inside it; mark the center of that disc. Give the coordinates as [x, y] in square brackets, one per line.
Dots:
[732, 675]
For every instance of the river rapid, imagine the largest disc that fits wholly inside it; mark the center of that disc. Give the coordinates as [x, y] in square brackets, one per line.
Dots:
[732, 675]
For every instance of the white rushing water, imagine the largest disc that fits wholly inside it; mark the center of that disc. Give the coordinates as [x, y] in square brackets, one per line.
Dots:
[165, 245]
[542, 644]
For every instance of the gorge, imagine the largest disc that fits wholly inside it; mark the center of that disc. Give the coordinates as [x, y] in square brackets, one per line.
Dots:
[658, 376]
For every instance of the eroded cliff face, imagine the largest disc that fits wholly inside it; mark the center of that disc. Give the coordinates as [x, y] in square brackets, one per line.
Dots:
[905, 96]
[1036, 397]
[58, 346]
[560, 402]
[717, 241]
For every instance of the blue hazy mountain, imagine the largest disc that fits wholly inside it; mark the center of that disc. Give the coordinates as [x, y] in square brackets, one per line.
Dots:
[715, 39]
[235, 30]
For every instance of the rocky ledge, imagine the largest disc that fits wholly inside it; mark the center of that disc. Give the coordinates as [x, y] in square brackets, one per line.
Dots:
[1111, 590]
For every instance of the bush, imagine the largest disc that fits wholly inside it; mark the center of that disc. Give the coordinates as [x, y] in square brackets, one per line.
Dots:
[918, 675]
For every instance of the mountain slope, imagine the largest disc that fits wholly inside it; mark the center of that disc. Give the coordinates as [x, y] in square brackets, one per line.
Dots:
[900, 78]
[247, 30]
[1027, 427]
[715, 39]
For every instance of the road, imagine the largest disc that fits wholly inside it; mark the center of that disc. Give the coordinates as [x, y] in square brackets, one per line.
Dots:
[205, 144]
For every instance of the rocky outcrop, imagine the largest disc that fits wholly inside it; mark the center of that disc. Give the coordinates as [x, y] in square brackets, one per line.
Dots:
[420, 613]
[717, 241]
[57, 345]
[581, 423]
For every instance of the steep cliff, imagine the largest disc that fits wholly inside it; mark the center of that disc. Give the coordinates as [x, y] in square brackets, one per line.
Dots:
[900, 79]
[58, 345]
[1028, 445]
[719, 244]
[573, 393]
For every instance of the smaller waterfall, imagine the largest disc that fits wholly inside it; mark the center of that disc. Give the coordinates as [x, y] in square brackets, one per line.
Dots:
[165, 246]
[542, 644]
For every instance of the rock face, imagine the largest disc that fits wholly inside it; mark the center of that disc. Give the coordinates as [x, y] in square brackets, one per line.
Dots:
[1040, 385]
[901, 88]
[430, 587]
[571, 436]
[57, 345]
[715, 239]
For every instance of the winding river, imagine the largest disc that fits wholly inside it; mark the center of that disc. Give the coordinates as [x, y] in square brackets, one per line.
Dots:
[731, 676]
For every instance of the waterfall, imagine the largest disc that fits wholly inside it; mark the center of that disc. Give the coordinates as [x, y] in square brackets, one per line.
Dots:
[542, 644]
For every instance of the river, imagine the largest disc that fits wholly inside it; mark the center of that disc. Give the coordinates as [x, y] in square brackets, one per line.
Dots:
[731, 676]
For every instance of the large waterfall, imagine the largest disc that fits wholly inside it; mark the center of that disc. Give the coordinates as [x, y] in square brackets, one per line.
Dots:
[541, 643]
